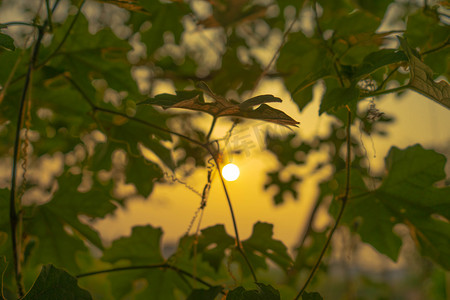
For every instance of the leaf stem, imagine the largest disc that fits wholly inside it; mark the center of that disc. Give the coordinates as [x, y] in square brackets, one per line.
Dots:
[21, 23]
[383, 92]
[156, 266]
[211, 129]
[238, 241]
[344, 199]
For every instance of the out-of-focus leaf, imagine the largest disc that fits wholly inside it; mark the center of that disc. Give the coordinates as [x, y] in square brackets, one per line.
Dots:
[422, 78]
[283, 186]
[377, 8]
[424, 29]
[378, 59]
[212, 244]
[142, 247]
[7, 42]
[54, 283]
[261, 245]
[304, 61]
[202, 294]
[339, 97]
[194, 100]
[407, 196]
[311, 296]
[48, 222]
[264, 292]
[164, 17]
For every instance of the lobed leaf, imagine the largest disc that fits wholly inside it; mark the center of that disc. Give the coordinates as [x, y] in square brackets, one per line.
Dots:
[54, 283]
[407, 195]
[193, 100]
[422, 78]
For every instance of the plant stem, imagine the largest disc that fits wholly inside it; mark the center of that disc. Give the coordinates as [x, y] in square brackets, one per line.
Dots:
[157, 266]
[21, 23]
[238, 241]
[383, 92]
[105, 110]
[341, 211]
[211, 129]
[66, 35]
[14, 207]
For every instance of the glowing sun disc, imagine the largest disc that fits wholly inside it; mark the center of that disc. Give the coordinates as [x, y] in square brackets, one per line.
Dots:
[230, 172]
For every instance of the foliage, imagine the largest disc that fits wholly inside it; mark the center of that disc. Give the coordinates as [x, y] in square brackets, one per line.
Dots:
[72, 91]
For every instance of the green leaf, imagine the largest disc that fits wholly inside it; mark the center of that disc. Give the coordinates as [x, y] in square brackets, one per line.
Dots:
[378, 59]
[422, 78]
[7, 42]
[311, 296]
[141, 247]
[261, 245]
[339, 97]
[377, 8]
[212, 244]
[264, 292]
[53, 283]
[87, 57]
[164, 17]
[407, 195]
[202, 294]
[49, 221]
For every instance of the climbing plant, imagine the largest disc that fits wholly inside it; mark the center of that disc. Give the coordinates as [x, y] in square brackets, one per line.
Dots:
[80, 84]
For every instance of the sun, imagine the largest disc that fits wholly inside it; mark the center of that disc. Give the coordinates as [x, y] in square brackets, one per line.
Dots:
[230, 172]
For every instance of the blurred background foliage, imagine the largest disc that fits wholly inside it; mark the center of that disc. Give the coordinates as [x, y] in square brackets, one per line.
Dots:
[88, 145]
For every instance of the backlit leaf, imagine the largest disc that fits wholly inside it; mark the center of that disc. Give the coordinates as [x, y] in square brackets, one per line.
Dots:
[422, 79]
[193, 100]
[54, 283]
[407, 195]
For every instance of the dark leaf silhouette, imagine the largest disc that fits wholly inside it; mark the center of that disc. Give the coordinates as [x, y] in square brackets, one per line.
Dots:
[220, 107]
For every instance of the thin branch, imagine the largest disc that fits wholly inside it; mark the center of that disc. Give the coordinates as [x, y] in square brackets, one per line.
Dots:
[49, 15]
[383, 92]
[157, 266]
[283, 42]
[21, 23]
[211, 129]
[66, 35]
[14, 216]
[344, 199]
[442, 46]
[105, 110]
[238, 241]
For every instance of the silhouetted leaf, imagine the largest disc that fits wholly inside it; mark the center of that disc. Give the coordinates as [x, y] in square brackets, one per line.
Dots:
[53, 283]
[194, 100]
